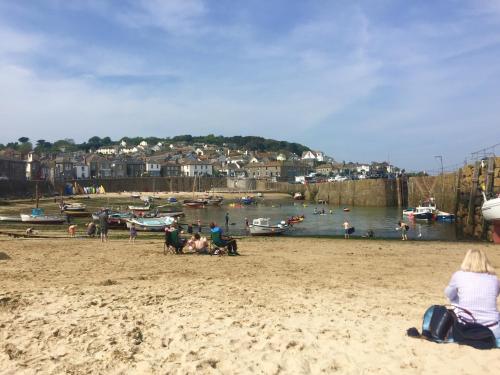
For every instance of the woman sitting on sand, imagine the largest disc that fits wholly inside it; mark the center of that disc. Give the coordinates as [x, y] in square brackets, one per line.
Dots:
[475, 288]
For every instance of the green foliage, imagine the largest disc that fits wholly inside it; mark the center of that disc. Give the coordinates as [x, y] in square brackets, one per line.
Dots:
[251, 143]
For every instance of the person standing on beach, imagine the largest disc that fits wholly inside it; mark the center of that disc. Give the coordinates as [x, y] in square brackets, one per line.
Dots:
[103, 224]
[133, 234]
[227, 219]
[404, 230]
[346, 229]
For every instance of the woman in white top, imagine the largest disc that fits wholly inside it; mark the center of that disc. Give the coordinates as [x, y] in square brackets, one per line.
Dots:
[475, 288]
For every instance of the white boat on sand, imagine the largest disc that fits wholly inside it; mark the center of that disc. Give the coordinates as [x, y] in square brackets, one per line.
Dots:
[156, 224]
[38, 216]
[491, 209]
[263, 227]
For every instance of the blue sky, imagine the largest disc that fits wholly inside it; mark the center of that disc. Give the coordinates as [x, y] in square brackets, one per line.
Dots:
[369, 80]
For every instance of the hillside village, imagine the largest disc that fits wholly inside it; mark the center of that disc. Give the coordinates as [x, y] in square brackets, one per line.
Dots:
[181, 158]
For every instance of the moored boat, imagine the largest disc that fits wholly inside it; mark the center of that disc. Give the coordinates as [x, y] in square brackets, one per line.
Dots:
[194, 203]
[151, 224]
[247, 200]
[298, 196]
[263, 227]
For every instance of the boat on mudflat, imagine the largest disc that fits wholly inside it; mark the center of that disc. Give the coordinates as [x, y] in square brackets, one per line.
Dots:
[151, 224]
[38, 216]
[139, 208]
[214, 200]
[491, 209]
[194, 203]
[73, 207]
[298, 196]
[11, 219]
[263, 227]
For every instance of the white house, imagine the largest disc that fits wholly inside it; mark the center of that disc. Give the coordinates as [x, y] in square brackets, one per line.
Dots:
[196, 168]
[313, 155]
[82, 171]
[281, 157]
[110, 150]
[132, 150]
[363, 168]
[153, 168]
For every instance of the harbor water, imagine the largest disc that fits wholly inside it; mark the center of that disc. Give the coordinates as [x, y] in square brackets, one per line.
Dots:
[383, 221]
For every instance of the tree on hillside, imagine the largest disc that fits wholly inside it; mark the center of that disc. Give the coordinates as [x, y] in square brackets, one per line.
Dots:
[23, 139]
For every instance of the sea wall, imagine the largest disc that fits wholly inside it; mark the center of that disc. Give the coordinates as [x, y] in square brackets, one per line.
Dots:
[370, 193]
[27, 188]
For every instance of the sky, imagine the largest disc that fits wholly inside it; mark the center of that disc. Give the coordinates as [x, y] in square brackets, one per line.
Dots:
[398, 81]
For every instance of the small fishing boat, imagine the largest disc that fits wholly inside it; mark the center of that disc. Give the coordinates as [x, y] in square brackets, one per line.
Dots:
[38, 216]
[298, 196]
[296, 219]
[247, 200]
[194, 203]
[445, 217]
[135, 195]
[11, 219]
[214, 200]
[263, 227]
[115, 219]
[73, 207]
[426, 211]
[172, 200]
[150, 224]
[491, 209]
[140, 208]
[346, 209]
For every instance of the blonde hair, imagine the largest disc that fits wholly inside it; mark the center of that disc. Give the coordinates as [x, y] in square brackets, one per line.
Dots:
[477, 261]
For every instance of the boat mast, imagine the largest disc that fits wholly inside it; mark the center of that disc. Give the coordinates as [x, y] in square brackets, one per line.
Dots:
[36, 194]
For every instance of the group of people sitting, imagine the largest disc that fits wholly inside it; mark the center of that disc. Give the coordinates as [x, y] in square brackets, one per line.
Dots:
[200, 244]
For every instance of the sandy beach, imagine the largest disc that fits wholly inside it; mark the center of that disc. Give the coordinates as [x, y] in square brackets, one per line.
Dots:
[286, 306]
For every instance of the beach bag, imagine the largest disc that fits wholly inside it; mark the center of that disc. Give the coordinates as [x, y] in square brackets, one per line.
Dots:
[437, 323]
[407, 227]
[441, 324]
[350, 230]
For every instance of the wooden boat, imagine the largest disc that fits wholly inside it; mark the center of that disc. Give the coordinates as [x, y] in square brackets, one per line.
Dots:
[296, 219]
[346, 209]
[73, 207]
[38, 216]
[262, 227]
[11, 219]
[298, 196]
[194, 203]
[150, 224]
[214, 200]
[491, 209]
[140, 208]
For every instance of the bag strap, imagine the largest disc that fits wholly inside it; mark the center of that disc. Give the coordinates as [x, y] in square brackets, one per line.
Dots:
[465, 311]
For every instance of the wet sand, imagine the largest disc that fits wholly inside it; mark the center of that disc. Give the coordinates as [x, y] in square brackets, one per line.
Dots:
[288, 306]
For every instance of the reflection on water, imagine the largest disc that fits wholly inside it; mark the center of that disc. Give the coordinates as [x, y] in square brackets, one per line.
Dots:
[382, 220]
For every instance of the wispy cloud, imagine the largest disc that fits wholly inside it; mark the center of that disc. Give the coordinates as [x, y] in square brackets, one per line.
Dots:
[338, 75]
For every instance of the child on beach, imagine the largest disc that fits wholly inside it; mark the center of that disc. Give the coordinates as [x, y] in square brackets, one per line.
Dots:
[133, 234]
[404, 230]
[346, 229]
[72, 230]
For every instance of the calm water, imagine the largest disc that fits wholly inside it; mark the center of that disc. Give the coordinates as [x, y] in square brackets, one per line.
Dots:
[382, 220]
